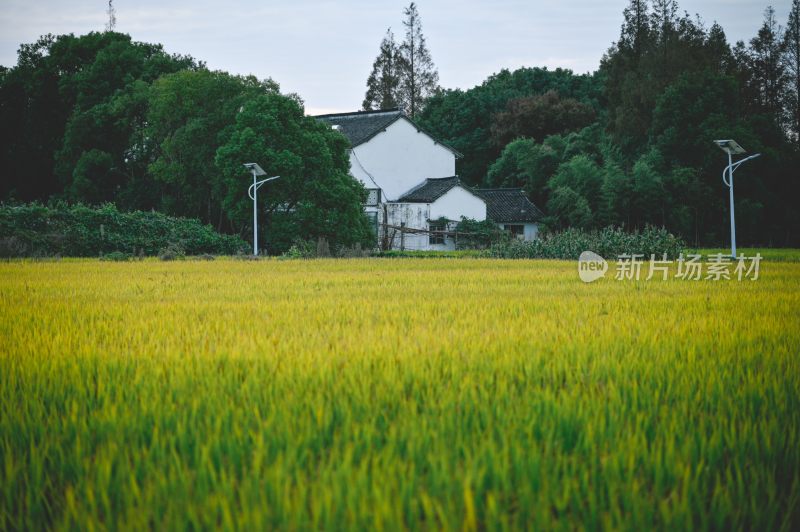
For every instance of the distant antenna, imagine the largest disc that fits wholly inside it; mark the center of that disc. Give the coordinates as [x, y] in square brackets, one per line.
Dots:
[112, 16]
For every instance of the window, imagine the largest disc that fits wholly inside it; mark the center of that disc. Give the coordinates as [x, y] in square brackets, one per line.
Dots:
[373, 197]
[373, 221]
[516, 230]
[436, 237]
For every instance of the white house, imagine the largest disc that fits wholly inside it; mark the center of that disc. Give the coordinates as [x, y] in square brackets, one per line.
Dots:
[511, 209]
[426, 207]
[411, 179]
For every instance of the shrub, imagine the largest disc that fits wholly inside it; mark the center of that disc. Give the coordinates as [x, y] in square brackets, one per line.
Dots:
[309, 249]
[11, 246]
[80, 231]
[473, 234]
[172, 251]
[323, 248]
[354, 252]
[116, 256]
[608, 243]
[301, 249]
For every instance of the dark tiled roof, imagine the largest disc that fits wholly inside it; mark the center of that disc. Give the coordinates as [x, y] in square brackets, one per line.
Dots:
[361, 126]
[509, 205]
[430, 190]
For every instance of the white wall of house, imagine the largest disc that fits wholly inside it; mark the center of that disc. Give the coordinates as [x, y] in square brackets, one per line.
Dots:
[413, 216]
[530, 230]
[399, 158]
[458, 202]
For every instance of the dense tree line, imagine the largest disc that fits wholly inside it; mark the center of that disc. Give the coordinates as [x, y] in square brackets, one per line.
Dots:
[477, 122]
[631, 144]
[100, 118]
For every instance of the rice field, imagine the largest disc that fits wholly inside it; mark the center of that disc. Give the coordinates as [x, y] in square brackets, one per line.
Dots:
[395, 394]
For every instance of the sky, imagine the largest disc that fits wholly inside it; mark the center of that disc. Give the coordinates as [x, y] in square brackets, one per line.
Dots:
[323, 50]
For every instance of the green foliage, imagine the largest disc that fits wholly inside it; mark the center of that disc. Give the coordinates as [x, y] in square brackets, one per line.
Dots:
[116, 256]
[100, 118]
[384, 80]
[609, 243]
[665, 90]
[538, 116]
[172, 251]
[582, 175]
[418, 77]
[791, 60]
[70, 118]
[527, 164]
[474, 234]
[464, 119]
[301, 249]
[321, 249]
[190, 114]
[403, 75]
[80, 231]
[568, 208]
[315, 196]
[413, 394]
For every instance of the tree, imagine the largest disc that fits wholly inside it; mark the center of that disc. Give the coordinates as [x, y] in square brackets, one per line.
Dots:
[539, 116]
[766, 62]
[315, 195]
[615, 194]
[635, 30]
[89, 179]
[524, 163]
[568, 208]
[791, 61]
[190, 114]
[59, 88]
[418, 76]
[648, 199]
[582, 175]
[464, 119]
[663, 16]
[383, 83]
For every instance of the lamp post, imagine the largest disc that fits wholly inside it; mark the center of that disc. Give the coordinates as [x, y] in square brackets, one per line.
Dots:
[252, 192]
[731, 147]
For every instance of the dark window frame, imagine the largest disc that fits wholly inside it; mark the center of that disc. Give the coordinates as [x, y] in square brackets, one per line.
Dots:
[516, 230]
[436, 240]
[373, 220]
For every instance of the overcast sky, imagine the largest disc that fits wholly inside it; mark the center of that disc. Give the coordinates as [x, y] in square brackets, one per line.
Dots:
[323, 50]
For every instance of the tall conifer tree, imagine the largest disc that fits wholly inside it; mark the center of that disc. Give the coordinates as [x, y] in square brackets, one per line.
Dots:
[383, 82]
[418, 79]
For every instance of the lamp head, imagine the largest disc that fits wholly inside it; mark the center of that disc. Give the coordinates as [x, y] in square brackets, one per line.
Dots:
[255, 168]
[730, 146]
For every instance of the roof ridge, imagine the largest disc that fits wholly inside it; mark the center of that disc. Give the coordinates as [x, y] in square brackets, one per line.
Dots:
[357, 113]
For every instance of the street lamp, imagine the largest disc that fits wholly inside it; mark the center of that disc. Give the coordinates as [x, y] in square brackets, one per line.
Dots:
[731, 147]
[252, 191]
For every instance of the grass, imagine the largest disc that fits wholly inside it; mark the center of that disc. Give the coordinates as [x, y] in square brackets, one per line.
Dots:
[421, 394]
[768, 254]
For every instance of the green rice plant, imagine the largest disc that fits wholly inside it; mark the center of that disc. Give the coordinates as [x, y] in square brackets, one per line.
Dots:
[416, 394]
